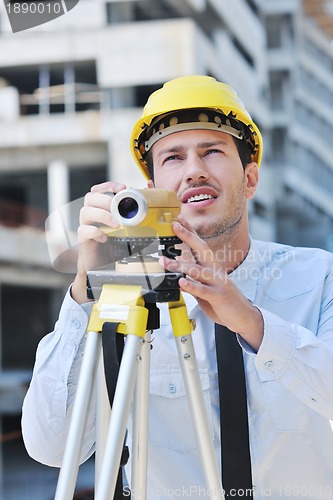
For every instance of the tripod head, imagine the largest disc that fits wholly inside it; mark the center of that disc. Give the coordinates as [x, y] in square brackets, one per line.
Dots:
[145, 218]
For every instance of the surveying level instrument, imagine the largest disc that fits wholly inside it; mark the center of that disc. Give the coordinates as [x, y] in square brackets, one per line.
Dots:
[126, 302]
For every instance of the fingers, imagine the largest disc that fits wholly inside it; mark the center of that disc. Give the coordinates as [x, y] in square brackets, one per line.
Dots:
[185, 223]
[108, 187]
[96, 211]
[197, 289]
[199, 248]
[208, 275]
[205, 275]
[99, 199]
[95, 216]
[89, 232]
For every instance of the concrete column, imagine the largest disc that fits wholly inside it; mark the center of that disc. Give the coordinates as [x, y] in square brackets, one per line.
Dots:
[1, 419]
[69, 86]
[44, 87]
[121, 98]
[58, 197]
[2, 493]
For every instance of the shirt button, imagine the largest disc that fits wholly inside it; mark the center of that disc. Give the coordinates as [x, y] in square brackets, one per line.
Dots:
[172, 388]
[76, 324]
[269, 364]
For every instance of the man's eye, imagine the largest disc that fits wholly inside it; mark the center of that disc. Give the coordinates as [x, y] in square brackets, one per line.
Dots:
[210, 151]
[170, 158]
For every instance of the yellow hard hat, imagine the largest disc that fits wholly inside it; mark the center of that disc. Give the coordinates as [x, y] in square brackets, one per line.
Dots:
[193, 102]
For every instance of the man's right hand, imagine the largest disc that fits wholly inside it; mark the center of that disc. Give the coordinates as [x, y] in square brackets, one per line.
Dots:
[93, 252]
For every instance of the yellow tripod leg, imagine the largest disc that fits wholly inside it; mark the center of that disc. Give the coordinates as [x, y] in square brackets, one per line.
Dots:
[118, 304]
[181, 324]
[182, 329]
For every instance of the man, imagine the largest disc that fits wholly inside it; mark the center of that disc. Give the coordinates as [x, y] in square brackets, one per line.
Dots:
[196, 138]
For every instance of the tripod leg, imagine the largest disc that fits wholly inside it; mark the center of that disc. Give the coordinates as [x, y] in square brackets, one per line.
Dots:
[198, 412]
[70, 464]
[119, 416]
[140, 425]
[103, 412]
[182, 328]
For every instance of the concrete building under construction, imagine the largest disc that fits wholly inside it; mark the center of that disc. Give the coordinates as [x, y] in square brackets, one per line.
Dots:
[70, 91]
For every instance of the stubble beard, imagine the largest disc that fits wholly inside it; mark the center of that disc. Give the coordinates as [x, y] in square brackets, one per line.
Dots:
[225, 225]
[219, 228]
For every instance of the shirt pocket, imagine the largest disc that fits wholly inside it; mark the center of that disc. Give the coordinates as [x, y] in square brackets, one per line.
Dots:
[170, 423]
[289, 414]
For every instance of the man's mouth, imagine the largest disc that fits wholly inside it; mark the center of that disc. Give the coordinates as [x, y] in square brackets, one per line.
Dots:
[201, 194]
[199, 197]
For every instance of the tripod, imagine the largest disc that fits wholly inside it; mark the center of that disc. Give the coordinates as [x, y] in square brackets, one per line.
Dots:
[125, 299]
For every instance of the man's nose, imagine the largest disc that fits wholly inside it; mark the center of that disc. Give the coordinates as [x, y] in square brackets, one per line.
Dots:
[195, 169]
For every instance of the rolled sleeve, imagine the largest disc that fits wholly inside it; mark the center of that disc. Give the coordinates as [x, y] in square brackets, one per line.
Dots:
[49, 399]
[298, 359]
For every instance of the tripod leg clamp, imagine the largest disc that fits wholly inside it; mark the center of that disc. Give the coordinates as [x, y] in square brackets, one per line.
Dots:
[181, 323]
[122, 304]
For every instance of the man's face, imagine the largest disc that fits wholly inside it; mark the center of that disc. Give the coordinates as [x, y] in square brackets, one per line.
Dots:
[204, 169]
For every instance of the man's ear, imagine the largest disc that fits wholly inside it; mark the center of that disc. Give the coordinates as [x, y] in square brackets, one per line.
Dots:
[150, 184]
[252, 179]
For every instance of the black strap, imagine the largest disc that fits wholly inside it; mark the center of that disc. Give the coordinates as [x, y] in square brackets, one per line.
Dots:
[235, 450]
[113, 346]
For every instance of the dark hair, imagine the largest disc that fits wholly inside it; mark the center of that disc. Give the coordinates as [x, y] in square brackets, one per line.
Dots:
[244, 151]
[242, 148]
[150, 165]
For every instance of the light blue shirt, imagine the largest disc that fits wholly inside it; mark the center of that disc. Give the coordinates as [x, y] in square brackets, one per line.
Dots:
[289, 384]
